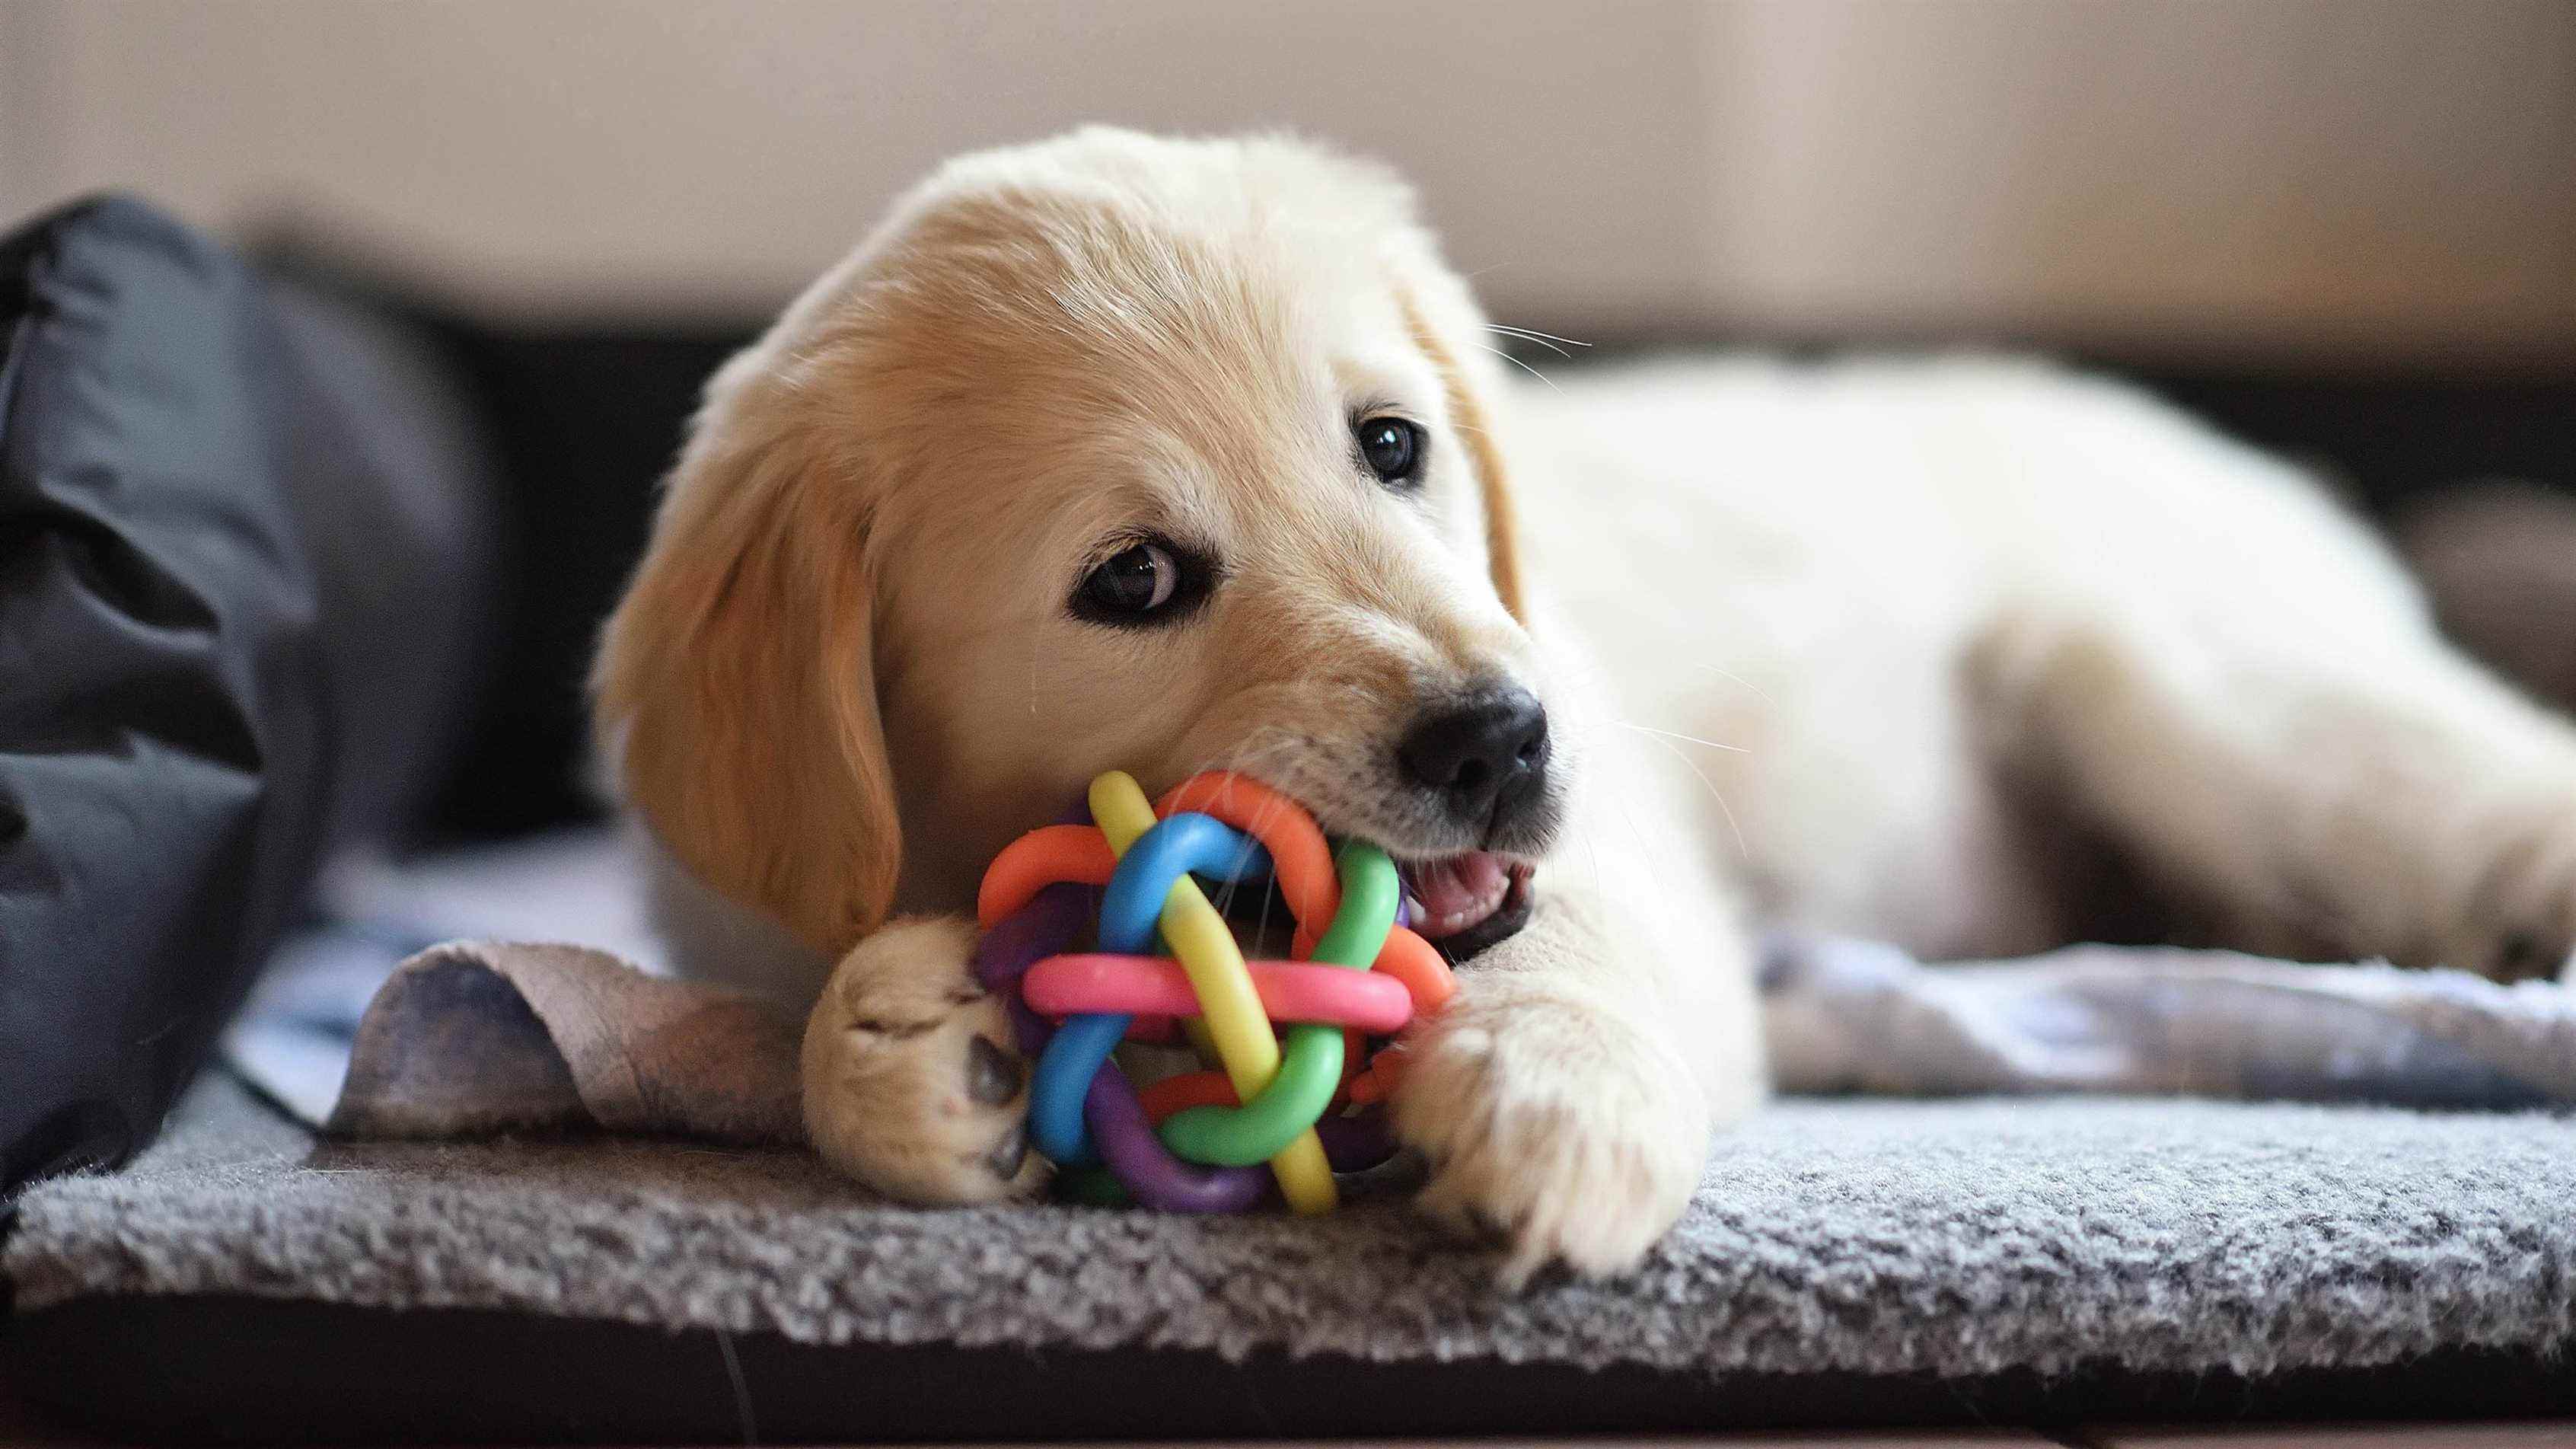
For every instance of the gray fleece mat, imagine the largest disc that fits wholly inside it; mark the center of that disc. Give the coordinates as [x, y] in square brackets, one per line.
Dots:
[1954, 1237]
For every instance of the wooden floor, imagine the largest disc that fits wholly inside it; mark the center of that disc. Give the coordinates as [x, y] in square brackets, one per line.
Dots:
[2526, 1435]
[18, 1428]
[16, 1431]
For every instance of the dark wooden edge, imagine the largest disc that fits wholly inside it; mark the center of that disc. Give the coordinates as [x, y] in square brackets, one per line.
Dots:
[236, 1369]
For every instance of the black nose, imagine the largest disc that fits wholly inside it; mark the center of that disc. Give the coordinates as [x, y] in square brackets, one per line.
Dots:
[1484, 756]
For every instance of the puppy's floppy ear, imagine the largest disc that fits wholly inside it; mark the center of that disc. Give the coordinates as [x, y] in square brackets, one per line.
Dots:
[1475, 429]
[736, 683]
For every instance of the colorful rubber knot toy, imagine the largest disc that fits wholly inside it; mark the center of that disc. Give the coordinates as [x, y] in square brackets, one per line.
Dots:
[1306, 1100]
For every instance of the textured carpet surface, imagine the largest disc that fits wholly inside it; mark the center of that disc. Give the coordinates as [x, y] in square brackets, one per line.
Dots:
[1950, 1237]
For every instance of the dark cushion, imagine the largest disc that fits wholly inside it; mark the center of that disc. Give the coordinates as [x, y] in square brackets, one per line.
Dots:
[179, 730]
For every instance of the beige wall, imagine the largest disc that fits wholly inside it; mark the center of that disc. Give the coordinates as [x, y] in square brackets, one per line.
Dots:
[2382, 177]
[2357, 171]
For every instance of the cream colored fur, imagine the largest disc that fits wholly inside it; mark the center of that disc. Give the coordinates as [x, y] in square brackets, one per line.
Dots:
[1875, 648]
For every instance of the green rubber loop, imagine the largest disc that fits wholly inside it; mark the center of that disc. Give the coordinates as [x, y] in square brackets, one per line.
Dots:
[1310, 1067]
[1310, 1056]
[1369, 890]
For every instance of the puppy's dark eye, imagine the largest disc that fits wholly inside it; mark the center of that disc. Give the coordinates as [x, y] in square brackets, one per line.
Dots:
[1148, 582]
[1392, 448]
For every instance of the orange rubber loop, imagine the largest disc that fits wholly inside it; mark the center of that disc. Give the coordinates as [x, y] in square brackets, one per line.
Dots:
[1418, 964]
[1190, 1089]
[1385, 1071]
[1428, 980]
[1049, 855]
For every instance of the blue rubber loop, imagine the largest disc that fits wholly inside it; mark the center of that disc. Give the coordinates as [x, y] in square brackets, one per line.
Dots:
[1063, 1077]
[1179, 845]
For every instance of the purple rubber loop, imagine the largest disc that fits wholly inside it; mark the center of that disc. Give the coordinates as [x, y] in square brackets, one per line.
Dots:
[1148, 1168]
[1049, 924]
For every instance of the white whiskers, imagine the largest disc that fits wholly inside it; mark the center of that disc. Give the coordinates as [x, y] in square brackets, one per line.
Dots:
[1548, 340]
[1523, 366]
[1758, 691]
[1742, 849]
[1678, 735]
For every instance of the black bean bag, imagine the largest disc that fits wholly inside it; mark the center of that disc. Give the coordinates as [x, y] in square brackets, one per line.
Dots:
[198, 471]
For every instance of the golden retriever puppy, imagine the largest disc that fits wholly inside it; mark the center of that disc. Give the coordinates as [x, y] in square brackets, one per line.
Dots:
[1117, 452]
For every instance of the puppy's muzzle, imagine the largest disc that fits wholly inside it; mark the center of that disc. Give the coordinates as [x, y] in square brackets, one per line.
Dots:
[1483, 760]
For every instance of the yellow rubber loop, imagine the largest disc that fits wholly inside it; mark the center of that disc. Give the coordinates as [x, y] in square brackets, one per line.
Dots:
[1197, 1031]
[1228, 1002]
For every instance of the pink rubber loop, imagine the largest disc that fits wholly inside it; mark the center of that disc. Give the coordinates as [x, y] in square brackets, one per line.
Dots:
[1290, 991]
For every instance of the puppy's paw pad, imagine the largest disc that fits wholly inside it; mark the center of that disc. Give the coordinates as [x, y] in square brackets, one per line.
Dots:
[2518, 922]
[993, 1072]
[908, 1087]
[2528, 955]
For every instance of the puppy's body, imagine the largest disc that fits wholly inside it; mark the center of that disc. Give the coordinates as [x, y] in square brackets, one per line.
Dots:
[1992, 651]
[1869, 648]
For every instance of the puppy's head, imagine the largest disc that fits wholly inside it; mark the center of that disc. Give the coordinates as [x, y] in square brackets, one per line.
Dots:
[1106, 453]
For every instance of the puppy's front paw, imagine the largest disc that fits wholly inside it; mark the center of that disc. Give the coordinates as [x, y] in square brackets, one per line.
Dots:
[2518, 922]
[911, 1085]
[1554, 1124]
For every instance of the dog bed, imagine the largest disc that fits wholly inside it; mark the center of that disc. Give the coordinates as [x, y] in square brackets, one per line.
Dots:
[1848, 1260]
[1845, 1261]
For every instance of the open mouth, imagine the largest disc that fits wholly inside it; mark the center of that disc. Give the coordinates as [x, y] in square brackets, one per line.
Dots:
[1467, 902]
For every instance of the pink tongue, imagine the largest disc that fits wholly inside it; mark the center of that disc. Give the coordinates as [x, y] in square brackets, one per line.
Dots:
[1459, 883]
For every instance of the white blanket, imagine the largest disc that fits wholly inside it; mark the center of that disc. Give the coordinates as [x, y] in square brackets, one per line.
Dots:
[1843, 1016]
[1857, 1016]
